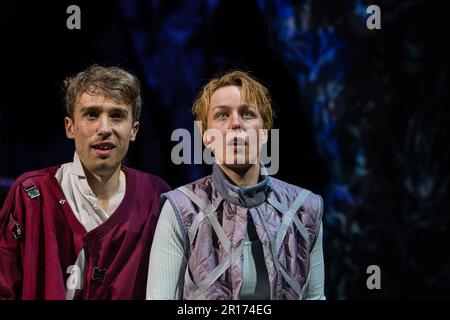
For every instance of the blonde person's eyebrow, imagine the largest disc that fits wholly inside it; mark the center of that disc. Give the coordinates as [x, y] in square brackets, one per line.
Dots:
[248, 107]
[219, 108]
[242, 106]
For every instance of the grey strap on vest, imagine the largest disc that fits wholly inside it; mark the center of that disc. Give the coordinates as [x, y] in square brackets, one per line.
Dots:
[206, 211]
[234, 256]
[223, 266]
[289, 216]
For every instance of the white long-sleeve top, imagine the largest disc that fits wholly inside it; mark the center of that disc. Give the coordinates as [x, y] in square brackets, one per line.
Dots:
[168, 262]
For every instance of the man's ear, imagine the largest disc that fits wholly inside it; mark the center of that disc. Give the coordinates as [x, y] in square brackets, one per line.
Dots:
[134, 130]
[68, 123]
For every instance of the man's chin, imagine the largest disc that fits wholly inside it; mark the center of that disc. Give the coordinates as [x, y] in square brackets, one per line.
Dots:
[104, 166]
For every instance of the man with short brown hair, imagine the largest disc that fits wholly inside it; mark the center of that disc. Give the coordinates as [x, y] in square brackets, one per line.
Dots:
[83, 230]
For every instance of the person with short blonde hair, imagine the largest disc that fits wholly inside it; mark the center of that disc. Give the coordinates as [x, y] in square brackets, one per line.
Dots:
[253, 92]
[237, 233]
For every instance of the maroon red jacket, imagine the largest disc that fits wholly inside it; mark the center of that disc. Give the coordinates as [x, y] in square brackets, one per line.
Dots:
[40, 238]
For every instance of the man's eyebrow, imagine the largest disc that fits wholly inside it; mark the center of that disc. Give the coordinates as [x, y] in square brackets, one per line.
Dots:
[120, 109]
[98, 108]
[90, 108]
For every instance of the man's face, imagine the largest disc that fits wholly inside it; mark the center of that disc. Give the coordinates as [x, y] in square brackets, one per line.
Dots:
[102, 130]
[235, 129]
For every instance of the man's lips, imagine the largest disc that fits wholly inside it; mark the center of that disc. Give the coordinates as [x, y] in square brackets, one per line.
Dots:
[103, 146]
[103, 149]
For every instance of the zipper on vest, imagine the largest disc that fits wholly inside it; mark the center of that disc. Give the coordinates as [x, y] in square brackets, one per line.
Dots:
[274, 257]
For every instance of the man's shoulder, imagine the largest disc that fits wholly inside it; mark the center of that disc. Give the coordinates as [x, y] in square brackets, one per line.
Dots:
[148, 179]
[36, 176]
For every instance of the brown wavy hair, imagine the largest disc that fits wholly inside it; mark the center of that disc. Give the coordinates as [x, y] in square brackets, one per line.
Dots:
[112, 83]
[253, 93]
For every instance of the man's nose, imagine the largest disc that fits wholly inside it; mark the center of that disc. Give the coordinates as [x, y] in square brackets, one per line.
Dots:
[104, 126]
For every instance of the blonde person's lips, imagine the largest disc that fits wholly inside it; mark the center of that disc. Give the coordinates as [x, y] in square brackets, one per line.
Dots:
[236, 143]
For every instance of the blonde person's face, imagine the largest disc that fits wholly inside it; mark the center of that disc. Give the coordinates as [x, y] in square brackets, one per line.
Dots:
[234, 129]
[102, 130]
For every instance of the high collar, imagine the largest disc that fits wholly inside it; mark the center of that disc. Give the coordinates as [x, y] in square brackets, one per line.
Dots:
[246, 196]
[77, 168]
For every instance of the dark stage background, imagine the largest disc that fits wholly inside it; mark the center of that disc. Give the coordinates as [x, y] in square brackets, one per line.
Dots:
[363, 114]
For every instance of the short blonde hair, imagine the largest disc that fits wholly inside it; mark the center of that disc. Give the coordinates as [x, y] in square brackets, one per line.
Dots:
[253, 93]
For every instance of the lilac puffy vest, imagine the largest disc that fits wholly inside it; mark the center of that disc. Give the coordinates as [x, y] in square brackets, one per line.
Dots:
[213, 213]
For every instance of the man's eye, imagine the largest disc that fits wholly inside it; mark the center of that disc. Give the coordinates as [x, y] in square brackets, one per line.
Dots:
[117, 116]
[91, 115]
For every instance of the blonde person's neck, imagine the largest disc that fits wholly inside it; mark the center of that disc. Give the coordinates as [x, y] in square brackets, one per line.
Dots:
[242, 176]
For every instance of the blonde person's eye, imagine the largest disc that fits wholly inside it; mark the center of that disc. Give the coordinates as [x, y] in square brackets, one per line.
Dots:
[248, 114]
[221, 115]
